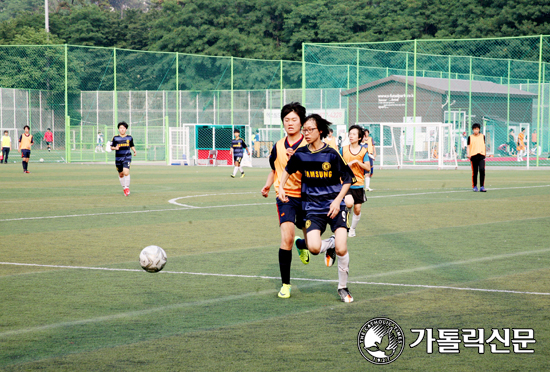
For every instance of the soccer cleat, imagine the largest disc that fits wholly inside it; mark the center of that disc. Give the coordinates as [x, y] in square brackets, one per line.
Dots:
[242, 175]
[126, 191]
[368, 189]
[232, 176]
[475, 189]
[26, 171]
[345, 296]
[303, 253]
[351, 233]
[482, 189]
[285, 291]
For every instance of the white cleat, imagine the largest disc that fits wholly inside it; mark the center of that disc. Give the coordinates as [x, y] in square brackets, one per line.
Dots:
[351, 233]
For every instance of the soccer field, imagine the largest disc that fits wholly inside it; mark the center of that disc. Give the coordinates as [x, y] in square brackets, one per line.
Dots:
[429, 254]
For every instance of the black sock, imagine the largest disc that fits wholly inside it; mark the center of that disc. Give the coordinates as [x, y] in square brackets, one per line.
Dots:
[24, 165]
[301, 243]
[285, 259]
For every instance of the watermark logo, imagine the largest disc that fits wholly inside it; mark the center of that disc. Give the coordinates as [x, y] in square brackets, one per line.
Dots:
[381, 341]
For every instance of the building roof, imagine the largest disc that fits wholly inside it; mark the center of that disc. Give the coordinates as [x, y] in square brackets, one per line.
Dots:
[441, 85]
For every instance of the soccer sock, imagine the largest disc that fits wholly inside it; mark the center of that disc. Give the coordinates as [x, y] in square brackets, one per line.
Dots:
[326, 244]
[241, 169]
[285, 259]
[367, 182]
[343, 270]
[301, 244]
[24, 163]
[235, 171]
[122, 182]
[355, 220]
[127, 178]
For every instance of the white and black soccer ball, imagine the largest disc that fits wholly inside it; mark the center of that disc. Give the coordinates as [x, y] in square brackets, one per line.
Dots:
[152, 259]
[41, 160]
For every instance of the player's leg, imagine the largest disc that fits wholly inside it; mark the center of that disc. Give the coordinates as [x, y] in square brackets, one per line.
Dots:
[359, 198]
[285, 257]
[341, 240]
[369, 174]
[482, 175]
[236, 164]
[474, 165]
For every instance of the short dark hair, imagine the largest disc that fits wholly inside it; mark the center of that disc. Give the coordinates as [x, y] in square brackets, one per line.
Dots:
[366, 130]
[522, 129]
[511, 130]
[48, 129]
[323, 125]
[26, 126]
[5, 131]
[123, 123]
[237, 131]
[330, 130]
[476, 125]
[294, 107]
[359, 129]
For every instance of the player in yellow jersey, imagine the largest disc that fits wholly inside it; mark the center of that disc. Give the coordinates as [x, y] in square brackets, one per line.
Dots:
[331, 140]
[476, 154]
[25, 144]
[290, 214]
[521, 144]
[357, 158]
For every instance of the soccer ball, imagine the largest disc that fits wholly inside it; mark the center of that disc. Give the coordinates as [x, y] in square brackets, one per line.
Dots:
[41, 160]
[152, 258]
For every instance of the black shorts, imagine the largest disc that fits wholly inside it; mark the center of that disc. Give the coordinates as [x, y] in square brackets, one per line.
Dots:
[25, 153]
[358, 195]
[291, 212]
[320, 221]
[48, 143]
[237, 159]
[120, 165]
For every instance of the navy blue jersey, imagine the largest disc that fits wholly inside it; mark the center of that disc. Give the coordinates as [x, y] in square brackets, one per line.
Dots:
[124, 152]
[273, 155]
[238, 147]
[323, 172]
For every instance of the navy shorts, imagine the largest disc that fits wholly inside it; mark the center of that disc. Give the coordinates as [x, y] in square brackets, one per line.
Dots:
[291, 212]
[371, 161]
[25, 153]
[120, 165]
[320, 221]
[358, 195]
[237, 159]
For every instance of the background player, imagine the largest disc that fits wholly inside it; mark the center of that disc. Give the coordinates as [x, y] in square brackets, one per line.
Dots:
[6, 146]
[48, 138]
[369, 143]
[237, 152]
[99, 145]
[290, 213]
[331, 140]
[357, 158]
[326, 178]
[25, 143]
[521, 144]
[476, 154]
[124, 145]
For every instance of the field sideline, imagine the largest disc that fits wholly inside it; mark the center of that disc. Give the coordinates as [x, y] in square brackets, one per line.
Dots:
[429, 254]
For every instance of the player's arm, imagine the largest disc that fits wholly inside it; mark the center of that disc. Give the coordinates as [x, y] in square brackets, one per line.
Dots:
[282, 194]
[112, 145]
[468, 148]
[246, 147]
[19, 147]
[373, 150]
[268, 183]
[335, 205]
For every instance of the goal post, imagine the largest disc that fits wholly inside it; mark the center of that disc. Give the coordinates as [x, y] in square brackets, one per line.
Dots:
[403, 145]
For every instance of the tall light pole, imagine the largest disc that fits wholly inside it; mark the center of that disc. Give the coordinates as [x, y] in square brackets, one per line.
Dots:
[46, 8]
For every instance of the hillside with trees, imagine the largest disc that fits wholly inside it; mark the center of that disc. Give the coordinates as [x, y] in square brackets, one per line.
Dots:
[263, 29]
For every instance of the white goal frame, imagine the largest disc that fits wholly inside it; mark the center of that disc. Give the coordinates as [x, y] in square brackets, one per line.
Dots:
[435, 141]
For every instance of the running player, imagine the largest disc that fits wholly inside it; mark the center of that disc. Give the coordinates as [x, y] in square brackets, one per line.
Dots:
[237, 152]
[290, 213]
[124, 145]
[25, 143]
[358, 160]
[326, 178]
[369, 144]
[476, 154]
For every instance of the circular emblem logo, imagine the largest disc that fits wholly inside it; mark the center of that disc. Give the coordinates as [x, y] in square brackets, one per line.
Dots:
[381, 341]
[326, 166]
[308, 223]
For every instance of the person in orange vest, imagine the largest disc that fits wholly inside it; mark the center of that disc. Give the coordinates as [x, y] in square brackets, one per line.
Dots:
[476, 154]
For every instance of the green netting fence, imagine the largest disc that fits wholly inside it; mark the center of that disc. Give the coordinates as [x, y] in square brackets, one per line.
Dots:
[417, 97]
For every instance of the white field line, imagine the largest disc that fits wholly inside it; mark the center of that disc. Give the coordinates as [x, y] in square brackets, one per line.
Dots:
[423, 268]
[190, 207]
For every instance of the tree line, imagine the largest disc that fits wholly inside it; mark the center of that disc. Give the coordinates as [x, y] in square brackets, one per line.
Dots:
[262, 29]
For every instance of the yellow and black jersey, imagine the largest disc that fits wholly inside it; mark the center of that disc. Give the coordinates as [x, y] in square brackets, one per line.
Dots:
[278, 161]
[476, 144]
[358, 172]
[323, 173]
[25, 141]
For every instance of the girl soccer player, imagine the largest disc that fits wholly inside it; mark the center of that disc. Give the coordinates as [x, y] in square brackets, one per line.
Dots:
[326, 179]
[358, 160]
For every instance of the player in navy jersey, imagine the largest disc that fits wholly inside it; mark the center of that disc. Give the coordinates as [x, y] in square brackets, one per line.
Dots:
[326, 178]
[124, 145]
[237, 151]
